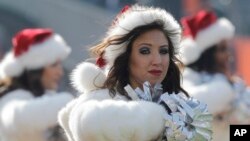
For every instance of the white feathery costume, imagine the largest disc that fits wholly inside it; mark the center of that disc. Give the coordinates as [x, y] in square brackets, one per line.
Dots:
[201, 32]
[24, 117]
[97, 116]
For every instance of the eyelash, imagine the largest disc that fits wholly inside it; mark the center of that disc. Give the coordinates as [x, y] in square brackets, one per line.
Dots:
[164, 51]
[145, 51]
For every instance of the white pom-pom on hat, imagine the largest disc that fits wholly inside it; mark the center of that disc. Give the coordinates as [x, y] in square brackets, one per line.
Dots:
[87, 76]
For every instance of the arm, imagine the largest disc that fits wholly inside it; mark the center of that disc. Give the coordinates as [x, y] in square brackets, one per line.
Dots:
[241, 105]
[117, 120]
[216, 93]
[25, 113]
[110, 120]
[63, 118]
[64, 114]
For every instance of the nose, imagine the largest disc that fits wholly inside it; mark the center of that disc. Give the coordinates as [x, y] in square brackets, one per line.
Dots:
[227, 52]
[229, 56]
[156, 59]
[60, 71]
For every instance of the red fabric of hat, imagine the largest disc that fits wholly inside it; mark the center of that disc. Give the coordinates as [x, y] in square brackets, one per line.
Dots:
[24, 39]
[193, 24]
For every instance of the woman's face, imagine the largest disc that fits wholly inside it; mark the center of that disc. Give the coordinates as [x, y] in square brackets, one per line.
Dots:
[149, 58]
[52, 75]
[222, 56]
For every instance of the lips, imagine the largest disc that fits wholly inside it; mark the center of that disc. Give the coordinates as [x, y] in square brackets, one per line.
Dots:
[155, 72]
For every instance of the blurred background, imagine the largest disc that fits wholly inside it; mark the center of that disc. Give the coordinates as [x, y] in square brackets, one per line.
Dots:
[83, 23]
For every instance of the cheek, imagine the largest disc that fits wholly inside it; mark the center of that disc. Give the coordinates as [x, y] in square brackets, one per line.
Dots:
[47, 78]
[50, 76]
[44, 80]
[165, 63]
[50, 81]
[221, 57]
[138, 64]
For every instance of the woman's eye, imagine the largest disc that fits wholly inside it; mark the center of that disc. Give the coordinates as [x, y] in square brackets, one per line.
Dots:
[164, 51]
[144, 50]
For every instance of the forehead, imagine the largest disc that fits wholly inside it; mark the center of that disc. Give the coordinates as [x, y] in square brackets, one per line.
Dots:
[154, 36]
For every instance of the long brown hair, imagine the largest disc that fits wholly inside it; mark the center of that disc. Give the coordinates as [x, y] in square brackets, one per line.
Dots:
[118, 76]
[206, 62]
[29, 80]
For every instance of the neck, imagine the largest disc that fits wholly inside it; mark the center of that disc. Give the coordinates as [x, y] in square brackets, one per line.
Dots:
[134, 84]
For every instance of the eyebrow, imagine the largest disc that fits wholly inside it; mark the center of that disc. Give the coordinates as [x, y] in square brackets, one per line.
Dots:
[165, 45]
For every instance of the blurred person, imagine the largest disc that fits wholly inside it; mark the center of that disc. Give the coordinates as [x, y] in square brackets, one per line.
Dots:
[133, 93]
[30, 74]
[207, 76]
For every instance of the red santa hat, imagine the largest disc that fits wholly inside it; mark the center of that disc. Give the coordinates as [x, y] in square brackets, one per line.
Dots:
[202, 31]
[33, 49]
[131, 17]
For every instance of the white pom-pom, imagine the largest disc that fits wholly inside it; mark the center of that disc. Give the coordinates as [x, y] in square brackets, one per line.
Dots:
[87, 77]
[189, 51]
[10, 67]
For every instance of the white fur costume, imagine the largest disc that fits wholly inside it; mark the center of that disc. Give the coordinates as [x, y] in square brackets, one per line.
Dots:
[117, 120]
[25, 118]
[96, 116]
[220, 96]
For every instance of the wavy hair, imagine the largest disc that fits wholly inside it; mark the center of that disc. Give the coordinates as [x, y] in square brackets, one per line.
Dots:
[118, 76]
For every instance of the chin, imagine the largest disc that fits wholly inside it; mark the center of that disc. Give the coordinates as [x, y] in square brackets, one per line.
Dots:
[154, 82]
[54, 87]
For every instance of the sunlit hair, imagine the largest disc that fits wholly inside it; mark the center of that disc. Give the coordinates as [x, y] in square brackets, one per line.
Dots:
[29, 80]
[118, 76]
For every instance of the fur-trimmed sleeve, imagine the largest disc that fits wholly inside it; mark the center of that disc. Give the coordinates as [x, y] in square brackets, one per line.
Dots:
[216, 93]
[64, 114]
[111, 120]
[21, 112]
